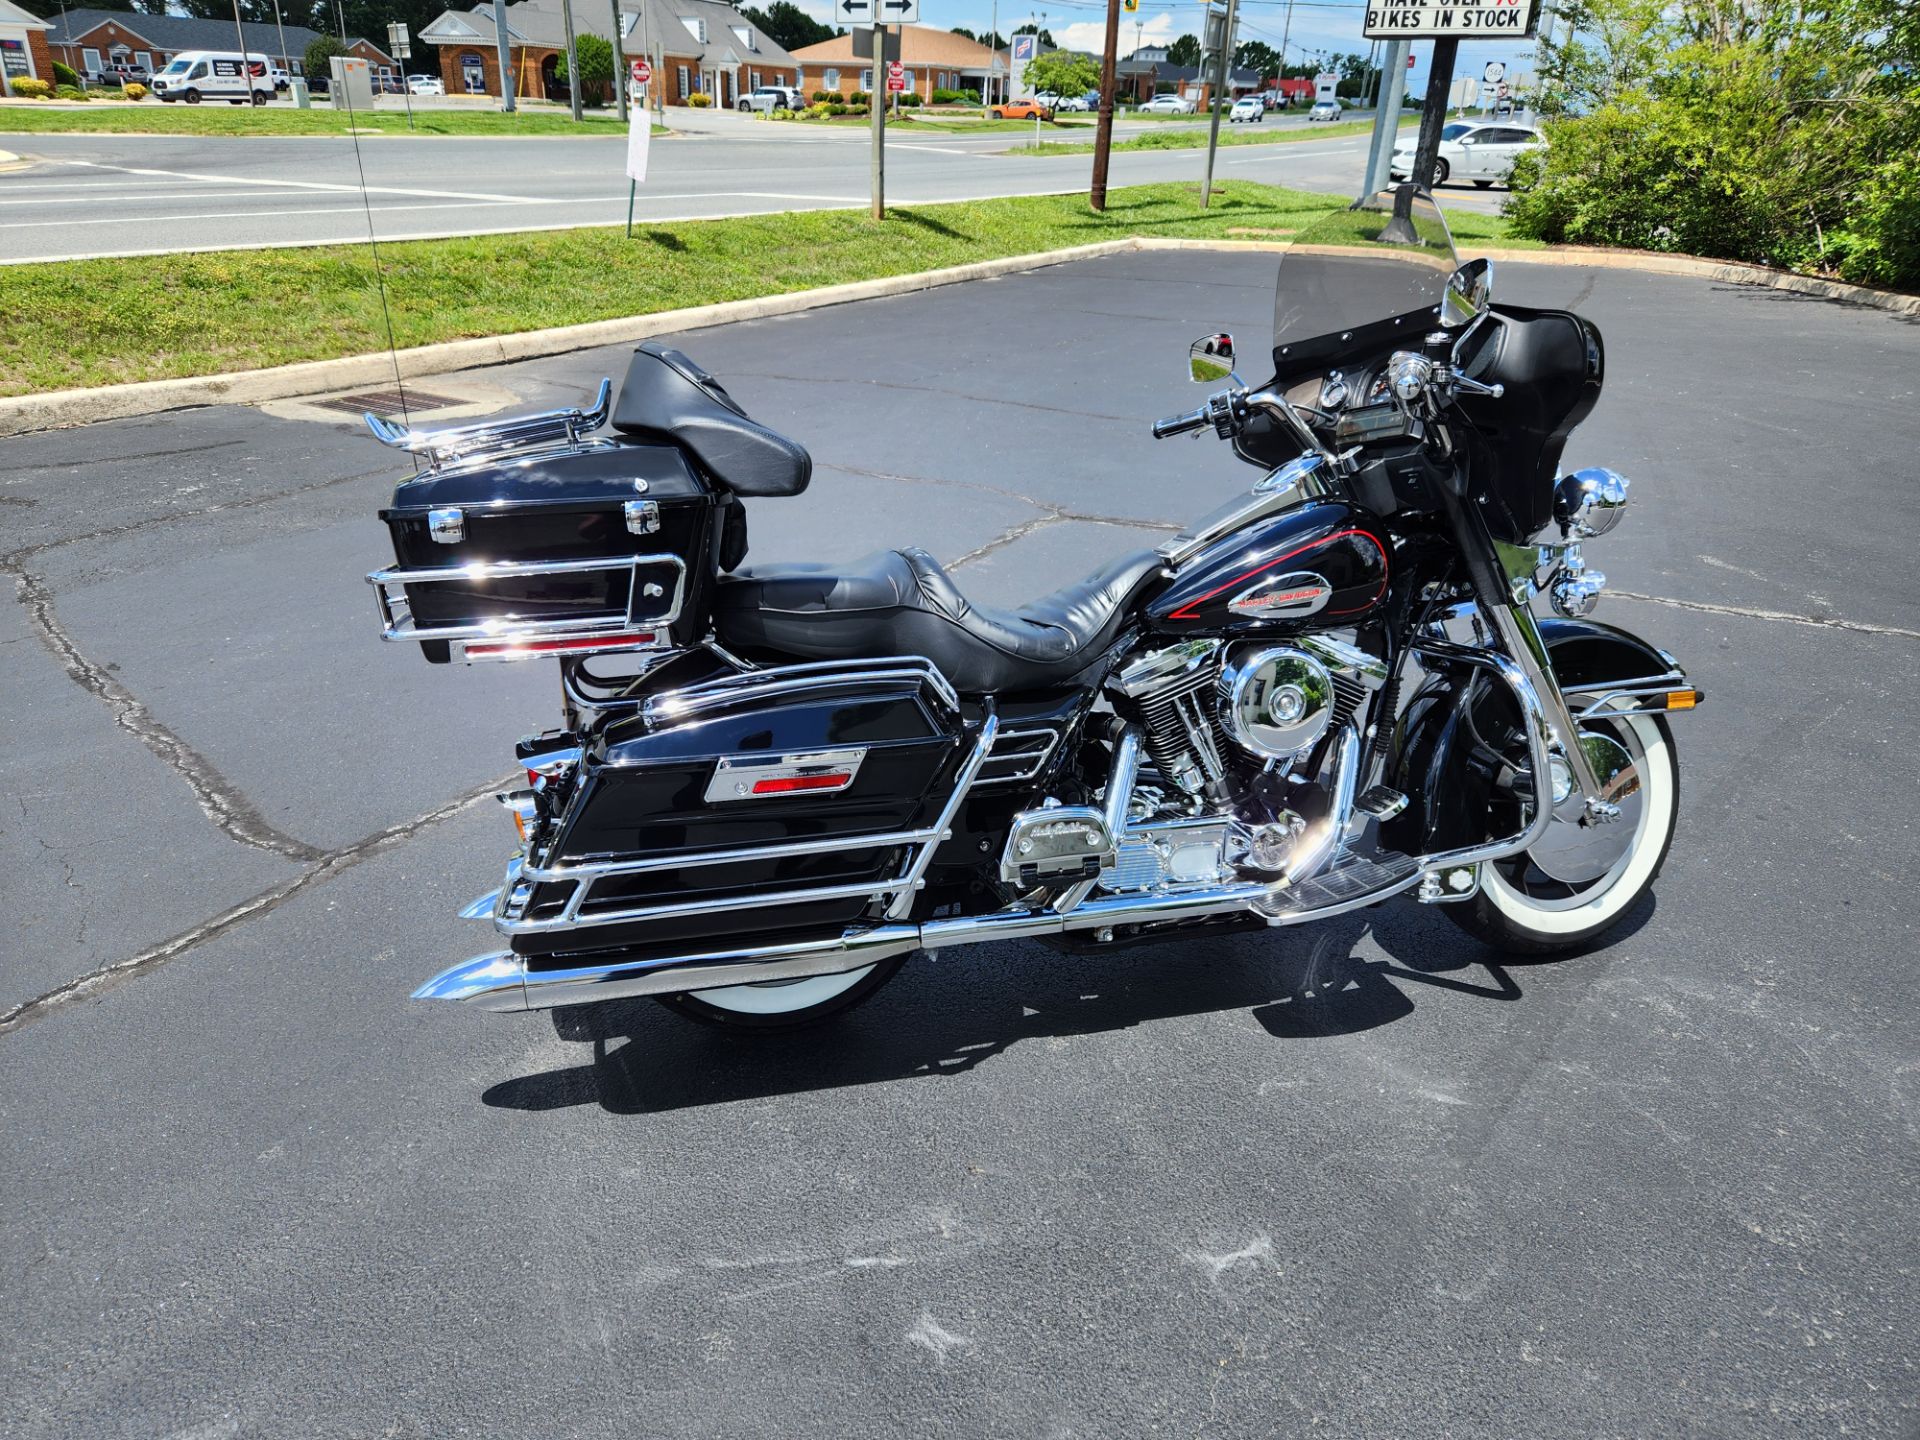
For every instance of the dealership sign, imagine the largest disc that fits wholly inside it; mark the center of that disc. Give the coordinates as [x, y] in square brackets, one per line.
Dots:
[1450, 19]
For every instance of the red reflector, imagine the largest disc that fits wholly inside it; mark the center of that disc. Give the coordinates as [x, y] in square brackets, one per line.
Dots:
[786, 785]
[557, 647]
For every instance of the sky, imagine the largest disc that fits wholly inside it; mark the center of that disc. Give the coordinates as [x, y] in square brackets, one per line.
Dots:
[1317, 27]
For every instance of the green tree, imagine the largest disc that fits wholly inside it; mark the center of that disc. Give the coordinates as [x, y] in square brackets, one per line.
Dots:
[787, 25]
[1062, 72]
[1184, 51]
[320, 50]
[1257, 56]
[1046, 36]
[596, 67]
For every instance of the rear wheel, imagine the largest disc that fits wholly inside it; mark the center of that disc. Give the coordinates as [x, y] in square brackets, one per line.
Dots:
[1580, 879]
[784, 1004]
[743, 107]
[259, 97]
[999, 114]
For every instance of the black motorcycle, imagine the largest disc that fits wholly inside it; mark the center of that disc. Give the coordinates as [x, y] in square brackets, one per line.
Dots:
[774, 783]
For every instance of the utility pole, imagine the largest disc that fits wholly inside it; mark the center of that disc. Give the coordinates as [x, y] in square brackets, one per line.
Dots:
[506, 60]
[1103, 132]
[1220, 72]
[877, 107]
[285, 63]
[1386, 118]
[620, 61]
[1433, 110]
[573, 61]
[993, 70]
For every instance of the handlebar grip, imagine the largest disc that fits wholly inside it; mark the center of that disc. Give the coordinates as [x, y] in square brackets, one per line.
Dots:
[1180, 424]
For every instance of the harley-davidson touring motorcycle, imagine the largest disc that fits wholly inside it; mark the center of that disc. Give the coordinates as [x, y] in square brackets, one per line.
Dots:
[774, 783]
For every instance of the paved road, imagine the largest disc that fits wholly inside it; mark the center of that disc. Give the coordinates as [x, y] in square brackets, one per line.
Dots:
[119, 194]
[1362, 1181]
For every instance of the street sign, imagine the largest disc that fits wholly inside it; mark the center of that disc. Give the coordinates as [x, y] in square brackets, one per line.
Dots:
[642, 72]
[1450, 19]
[399, 43]
[863, 43]
[896, 78]
[1494, 73]
[1215, 36]
[876, 12]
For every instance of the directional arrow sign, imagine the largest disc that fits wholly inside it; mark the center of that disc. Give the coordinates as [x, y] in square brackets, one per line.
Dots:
[887, 12]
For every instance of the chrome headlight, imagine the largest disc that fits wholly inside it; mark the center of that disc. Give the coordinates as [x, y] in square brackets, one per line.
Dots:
[1589, 503]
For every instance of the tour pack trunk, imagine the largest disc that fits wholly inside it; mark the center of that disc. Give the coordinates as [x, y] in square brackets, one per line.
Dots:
[567, 550]
[795, 800]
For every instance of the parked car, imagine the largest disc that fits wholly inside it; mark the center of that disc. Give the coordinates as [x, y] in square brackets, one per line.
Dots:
[1168, 105]
[768, 98]
[281, 79]
[426, 85]
[1324, 110]
[1483, 154]
[194, 75]
[1247, 107]
[1021, 110]
[318, 84]
[1077, 103]
[388, 85]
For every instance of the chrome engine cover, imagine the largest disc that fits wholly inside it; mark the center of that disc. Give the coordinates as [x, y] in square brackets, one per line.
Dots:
[1276, 701]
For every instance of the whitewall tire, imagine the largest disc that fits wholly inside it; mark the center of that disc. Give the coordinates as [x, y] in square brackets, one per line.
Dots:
[1520, 908]
[784, 1004]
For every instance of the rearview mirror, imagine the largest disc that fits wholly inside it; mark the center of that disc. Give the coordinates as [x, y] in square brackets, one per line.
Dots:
[1210, 360]
[1469, 294]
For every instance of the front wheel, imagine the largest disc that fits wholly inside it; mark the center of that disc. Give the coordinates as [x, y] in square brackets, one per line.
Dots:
[1580, 880]
[192, 97]
[1440, 172]
[776, 1005]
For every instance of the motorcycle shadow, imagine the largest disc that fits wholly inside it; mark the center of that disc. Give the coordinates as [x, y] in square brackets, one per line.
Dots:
[948, 1015]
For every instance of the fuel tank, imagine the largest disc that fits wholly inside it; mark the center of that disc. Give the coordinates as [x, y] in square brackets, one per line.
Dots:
[1323, 564]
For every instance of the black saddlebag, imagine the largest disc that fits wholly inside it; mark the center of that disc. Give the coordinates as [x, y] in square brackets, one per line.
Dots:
[770, 804]
[594, 546]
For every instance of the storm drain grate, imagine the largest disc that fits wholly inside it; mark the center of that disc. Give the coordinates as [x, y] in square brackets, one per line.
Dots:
[387, 403]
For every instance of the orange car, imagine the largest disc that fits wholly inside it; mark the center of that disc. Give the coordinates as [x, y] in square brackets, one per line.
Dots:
[1020, 110]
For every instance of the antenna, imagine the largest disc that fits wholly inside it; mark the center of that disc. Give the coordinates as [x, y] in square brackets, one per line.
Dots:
[373, 246]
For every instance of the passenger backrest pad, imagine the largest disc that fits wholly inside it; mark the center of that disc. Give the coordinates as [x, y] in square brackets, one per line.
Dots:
[667, 398]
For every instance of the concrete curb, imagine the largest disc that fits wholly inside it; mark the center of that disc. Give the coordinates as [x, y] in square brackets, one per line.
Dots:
[61, 409]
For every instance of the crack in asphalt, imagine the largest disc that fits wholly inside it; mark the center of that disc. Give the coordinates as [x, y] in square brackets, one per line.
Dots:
[127, 458]
[325, 867]
[219, 799]
[1778, 617]
[12, 559]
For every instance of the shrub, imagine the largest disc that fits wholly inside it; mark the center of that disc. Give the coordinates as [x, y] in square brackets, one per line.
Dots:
[954, 97]
[64, 74]
[820, 97]
[28, 89]
[135, 92]
[69, 92]
[835, 107]
[860, 97]
[907, 99]
[699, 100]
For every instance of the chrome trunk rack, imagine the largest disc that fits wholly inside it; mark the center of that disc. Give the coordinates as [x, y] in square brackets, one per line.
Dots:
[491, 438]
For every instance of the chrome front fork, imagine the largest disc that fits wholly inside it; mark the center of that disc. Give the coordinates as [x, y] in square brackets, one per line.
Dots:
[1519, 635]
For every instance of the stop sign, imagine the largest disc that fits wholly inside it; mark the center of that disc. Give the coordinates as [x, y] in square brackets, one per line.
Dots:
[896, 76]
[642, 72]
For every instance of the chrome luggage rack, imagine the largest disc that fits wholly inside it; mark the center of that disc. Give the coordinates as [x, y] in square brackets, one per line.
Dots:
[516, 639]
[495, 437]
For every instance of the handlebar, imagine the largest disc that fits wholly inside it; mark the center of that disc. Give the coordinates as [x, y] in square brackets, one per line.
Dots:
[1181, 424]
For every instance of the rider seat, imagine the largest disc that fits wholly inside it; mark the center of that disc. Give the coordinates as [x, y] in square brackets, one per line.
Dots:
[901, 602]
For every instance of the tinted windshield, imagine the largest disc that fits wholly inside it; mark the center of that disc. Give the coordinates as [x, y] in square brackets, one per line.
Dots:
[176, 67]
[1454, 131]
[1350, 268]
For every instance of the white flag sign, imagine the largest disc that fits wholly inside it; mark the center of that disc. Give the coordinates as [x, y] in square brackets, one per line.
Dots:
[639, 136]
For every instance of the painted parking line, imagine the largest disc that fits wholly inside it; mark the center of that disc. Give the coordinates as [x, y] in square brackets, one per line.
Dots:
[321, 185]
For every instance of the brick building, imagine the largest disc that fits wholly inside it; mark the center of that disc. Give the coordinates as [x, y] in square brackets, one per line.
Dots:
[933, 60]
[1147, 72]
[694, 45]
[23, 47]
[92, 40]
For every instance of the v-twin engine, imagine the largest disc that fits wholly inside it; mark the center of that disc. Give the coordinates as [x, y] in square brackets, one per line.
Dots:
[1242, 742]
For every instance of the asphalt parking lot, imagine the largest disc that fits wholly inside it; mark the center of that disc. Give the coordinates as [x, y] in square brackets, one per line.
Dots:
[1367, 1179]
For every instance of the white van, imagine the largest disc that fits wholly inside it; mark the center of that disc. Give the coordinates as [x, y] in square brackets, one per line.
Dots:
[196, 75]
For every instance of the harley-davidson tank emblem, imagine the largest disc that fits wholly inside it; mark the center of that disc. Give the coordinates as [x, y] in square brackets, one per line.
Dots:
[1283, 597]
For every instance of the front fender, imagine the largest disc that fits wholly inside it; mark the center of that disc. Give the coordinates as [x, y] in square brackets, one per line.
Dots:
[1445, 773]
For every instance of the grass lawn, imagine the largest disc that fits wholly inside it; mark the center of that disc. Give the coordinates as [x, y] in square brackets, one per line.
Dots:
[1197, 139]
[150, 117]
[98, 322]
